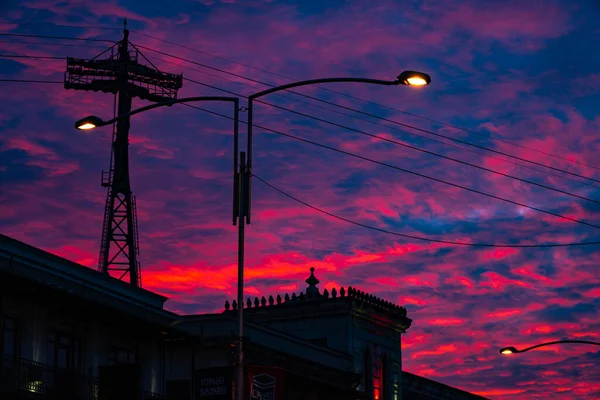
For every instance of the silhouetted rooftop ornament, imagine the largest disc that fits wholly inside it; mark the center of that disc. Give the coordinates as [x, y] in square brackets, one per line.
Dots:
[358, 299]
[312, 289]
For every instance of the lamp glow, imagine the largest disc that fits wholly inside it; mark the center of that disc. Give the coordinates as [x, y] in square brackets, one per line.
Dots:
[89, 122]
[509, 350]
[416, 81]
[86, 126]
[414, 78]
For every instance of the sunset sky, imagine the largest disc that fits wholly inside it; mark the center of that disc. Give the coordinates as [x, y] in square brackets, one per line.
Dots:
[521, 78]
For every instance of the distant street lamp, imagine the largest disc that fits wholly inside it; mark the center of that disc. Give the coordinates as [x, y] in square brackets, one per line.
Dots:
[410, 78]
[511, 349]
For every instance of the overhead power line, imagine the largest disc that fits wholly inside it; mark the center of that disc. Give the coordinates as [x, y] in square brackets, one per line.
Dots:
[60, 26]
[549, 173]
[370, 102]
[375, 116]
[367, 159]
[456, 243]
[404, 170]
[56, 37]
[432, 153]
[56, 44]
[409, 146]
[383, 139]
[28, 81]
[35, 57]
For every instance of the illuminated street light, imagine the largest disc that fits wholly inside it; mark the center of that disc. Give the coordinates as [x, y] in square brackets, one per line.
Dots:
[410, 78]
[89, 122]
[414, 78]
[512, 350]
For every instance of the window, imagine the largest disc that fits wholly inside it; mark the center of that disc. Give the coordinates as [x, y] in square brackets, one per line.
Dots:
[63, 351]
[121, 356]
[8, 336]
[368, 371]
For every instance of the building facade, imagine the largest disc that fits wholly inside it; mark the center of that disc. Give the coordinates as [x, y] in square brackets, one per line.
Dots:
[68, 332]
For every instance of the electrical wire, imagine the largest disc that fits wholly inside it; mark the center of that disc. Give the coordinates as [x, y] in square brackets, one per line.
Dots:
[375, 123]
[60, 26]
[421, 237]
[404, 170]
[385, 119]
[28, 81]
[368, 101]
[35, 57]
[376, 162]
[55, 44]
[376, 116]
[432, 153]
[56, 37]
[388, 140]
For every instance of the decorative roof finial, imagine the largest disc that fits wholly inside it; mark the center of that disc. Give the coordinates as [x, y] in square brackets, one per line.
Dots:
[312, 289]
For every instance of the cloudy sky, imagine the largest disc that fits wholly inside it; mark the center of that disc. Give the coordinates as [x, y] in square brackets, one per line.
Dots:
[499, 149]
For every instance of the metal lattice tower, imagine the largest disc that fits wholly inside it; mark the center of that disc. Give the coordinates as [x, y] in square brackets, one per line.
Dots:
[123, 76]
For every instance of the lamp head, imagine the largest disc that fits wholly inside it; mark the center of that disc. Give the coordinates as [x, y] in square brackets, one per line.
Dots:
[414, 78]
[89, 122]
[508, 350]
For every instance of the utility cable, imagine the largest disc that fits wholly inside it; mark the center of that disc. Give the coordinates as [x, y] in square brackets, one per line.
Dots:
[60, 26]
[421, 237]
[376, 123]
[376, 116]
[34, 57]
[55, 44]
[389, 140]
[432, 153]
[370, 102]
[55, 37]
[404, 170]
[373, 161]
[28, 81]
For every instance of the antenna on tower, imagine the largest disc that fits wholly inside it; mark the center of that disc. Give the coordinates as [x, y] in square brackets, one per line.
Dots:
[123, 76]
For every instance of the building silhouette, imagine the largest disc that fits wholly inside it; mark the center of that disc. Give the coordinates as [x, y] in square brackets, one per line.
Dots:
[68, 332]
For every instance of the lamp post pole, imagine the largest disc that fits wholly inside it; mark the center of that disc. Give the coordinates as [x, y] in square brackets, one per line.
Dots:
[242, 201]
[410, 78]
[239, 179]
[513, 350]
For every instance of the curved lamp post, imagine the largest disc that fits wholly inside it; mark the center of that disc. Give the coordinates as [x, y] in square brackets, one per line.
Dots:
[243, 195]
[409, 78]
[512, 350]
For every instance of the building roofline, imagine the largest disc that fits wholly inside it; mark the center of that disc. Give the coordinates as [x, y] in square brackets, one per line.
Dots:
[13, 249]
[433, 383]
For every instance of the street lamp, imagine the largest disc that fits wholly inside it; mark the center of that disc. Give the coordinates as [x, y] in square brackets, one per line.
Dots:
[512, 350]
[91, 122]
[243, 195]
[409, 78]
